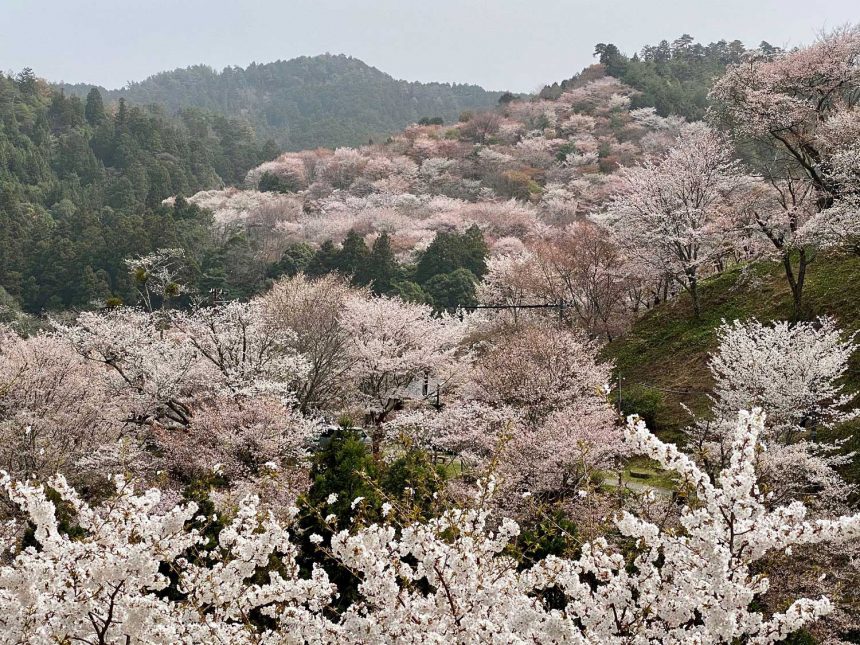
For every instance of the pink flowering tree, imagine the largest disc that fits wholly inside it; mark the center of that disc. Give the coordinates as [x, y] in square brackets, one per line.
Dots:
[801, 107]
[213, 389]
[789, 99]
[584, 267]
[670, 212]
[53, 416]
[561, 428]
[310, 310]
[393, 344]
[776, 209]
[470, 431]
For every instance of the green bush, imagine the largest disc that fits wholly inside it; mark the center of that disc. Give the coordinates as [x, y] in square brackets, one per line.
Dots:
[642, 400]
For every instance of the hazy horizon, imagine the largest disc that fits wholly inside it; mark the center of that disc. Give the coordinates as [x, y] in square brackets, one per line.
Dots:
[506, 44]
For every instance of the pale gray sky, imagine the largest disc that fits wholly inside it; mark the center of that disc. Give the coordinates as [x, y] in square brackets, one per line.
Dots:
[500, 44]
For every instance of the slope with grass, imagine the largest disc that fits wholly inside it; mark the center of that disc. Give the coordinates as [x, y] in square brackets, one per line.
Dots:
[662, 361]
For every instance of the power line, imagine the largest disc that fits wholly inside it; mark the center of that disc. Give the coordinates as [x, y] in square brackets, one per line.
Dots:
[561, 306]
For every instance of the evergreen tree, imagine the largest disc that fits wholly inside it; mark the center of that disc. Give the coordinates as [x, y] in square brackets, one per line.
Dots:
[409, 291]
[382, 266]
[26, 81]
[324, 261]
[121, 113]
[295, 259]
[95, 108]
[448, 291]
[352, 260]
[451, 251]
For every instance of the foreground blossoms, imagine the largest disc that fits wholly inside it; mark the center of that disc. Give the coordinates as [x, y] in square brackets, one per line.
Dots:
[132, 574]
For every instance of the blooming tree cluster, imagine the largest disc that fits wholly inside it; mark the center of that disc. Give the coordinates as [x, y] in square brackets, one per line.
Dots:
[579, 268]
[229, 388]
[793, 372]
[533, 409]
[446, 580]
[50, 413]
[391, 345]
[802, 105]
[530, 166]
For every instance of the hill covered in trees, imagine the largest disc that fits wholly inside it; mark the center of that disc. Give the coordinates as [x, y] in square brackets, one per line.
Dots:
[81, 186]
[306, 102]
[321, 435]
[673, 78]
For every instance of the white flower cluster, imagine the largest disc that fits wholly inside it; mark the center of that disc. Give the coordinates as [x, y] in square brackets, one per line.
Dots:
[445, 580]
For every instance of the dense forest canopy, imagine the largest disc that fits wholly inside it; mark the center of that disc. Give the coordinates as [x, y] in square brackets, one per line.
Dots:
[81, 186]
[306, 102]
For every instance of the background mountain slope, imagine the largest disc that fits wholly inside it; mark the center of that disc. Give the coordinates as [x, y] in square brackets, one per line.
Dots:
[306, 102]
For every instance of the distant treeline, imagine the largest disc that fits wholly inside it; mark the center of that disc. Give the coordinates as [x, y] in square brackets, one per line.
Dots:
[81, 186]
[306, 102]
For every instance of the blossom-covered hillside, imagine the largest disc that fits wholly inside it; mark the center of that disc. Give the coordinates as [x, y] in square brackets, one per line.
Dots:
[406, 398]
[516, 171]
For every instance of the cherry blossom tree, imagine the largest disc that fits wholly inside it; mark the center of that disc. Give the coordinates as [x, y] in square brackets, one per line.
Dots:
[540, 370]
[512, 280]
[669, 212]
[311, 310]
[778, 209]
[149, 370]
[215, 388]
[563, 429]
[793, 372]
[240, 441]
[249, 353]
[789, 98]
[801, 107]
[584, 268]
[392, 344]
[52, 414]
[839, 225]
[105, 587]
[471, 431]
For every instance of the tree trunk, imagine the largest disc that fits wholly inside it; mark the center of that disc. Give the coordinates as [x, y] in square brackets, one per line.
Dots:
[795, 281]
[377, 432]
[692, 287]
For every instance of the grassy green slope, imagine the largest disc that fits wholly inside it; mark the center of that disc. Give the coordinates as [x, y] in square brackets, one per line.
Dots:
[664, 356]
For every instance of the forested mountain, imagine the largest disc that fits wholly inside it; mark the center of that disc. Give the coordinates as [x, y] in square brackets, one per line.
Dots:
[81, 187]
[306, 102]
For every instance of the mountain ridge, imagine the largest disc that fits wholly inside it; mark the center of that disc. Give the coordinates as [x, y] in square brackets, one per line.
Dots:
[328, 100]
